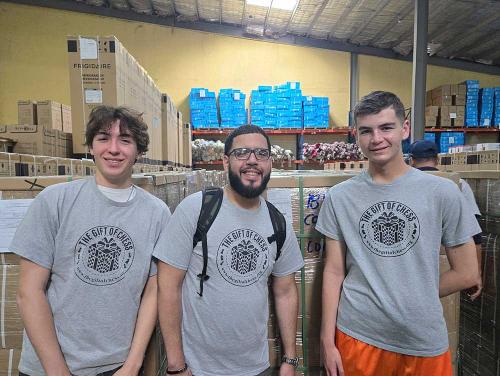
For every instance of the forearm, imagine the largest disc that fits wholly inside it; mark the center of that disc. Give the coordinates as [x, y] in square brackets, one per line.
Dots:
[146, 321]
[170, 315]
[287, 306]
[332, 285]
[452, 281]
[39, 324]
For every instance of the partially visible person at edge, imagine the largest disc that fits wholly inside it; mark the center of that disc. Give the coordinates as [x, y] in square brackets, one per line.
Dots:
[87, 288]
[424, 156]
[381, 284]
[223, 330]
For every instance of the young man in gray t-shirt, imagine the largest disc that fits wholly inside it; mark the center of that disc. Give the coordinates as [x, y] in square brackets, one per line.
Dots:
[381, 284]
[222, 329]
[87, 289]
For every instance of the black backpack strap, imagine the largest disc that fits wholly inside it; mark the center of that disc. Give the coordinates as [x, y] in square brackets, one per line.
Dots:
[279, 227]
[210, 205]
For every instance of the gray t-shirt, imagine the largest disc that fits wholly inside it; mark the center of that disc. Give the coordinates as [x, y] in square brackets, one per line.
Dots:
[469, 197]
[393, 233]
[224, 332]
[99, 255]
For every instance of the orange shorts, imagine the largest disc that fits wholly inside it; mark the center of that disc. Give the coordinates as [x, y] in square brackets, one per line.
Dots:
[361, 359]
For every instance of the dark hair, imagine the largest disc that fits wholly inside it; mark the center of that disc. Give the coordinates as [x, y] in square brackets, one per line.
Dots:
[377, 101]
[244, 129]
[101, 118]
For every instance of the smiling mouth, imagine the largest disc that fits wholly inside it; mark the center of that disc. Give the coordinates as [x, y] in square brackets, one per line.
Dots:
[251, 173]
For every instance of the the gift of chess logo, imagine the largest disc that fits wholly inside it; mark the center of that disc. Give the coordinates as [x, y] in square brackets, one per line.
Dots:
[243, 257]
[103, 255]
[389, 228]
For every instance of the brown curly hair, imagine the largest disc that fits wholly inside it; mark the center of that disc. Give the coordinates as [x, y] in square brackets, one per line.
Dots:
[101, 117]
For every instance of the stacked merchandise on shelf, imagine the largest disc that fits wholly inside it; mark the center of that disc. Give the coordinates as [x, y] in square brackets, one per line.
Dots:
[263, 107]
[278, 107]
[289, 105]
[496, 107]
[203, 108]
[430, 136]
[472, 103]
[280, 154]
[316, 112]
[486, 106]
[337, 151]
[207, 150]
[232, 108]
[479, 353]
[450, 139]
[445, 106]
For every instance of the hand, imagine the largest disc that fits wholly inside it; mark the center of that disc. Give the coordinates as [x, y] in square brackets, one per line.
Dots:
[287, 370]
[475, 292]
[126, 370]
[332, 361]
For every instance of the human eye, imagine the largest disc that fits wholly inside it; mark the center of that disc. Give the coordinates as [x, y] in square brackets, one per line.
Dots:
[241, 152]
[262, 153]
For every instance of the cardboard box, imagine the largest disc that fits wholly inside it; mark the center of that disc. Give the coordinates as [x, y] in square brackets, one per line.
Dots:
[49, 114]
[64, 144]
[432, 111]
[102, 72]
[33, 139]
[66, 118]
[12, 327]
[169, 136]
[9, 361]
[26, 112]
[431, 121]
[180, 139]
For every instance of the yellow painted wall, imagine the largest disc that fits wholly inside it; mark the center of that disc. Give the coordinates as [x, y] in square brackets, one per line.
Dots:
[33, 60]
[377, 73]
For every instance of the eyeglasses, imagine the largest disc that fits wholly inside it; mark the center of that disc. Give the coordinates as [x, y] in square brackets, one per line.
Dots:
[243, 154]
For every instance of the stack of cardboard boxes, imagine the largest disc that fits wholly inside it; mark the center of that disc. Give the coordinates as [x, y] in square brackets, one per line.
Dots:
[445, 106]
[103, 72]
[176, 136]
[43, 128]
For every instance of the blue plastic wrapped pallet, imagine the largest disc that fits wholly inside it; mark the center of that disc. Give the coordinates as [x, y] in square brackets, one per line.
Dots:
[232, 108]
[430, 136]
[472, 103]
[316, 112]
[496, 108]
[203, 108]
[486, 102]
[449, 139]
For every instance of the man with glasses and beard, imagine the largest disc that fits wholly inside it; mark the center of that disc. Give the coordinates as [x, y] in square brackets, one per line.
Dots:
[222, 330]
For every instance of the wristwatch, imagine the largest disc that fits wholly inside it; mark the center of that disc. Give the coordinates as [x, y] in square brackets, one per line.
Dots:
[292, 361]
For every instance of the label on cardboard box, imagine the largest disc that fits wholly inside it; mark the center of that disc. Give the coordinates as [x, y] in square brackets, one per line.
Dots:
[88, 48]
[453, 115]
[93, 96]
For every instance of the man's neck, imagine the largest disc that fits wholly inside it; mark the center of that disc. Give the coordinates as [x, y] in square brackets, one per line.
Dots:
[240, 201]
[387, 173]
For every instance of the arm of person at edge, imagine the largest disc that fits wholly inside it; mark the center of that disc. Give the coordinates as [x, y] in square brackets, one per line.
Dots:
[37, 317]
[145, 323]
[170, 281]
[333, 277]
[286, 299]
[464, 270]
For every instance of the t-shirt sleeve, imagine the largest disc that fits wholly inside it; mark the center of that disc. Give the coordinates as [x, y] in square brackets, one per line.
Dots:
[165, 217]
[469, 197]
[327, 222]
[175, 245]
[459, 224]
[35, 236]
[291, 258]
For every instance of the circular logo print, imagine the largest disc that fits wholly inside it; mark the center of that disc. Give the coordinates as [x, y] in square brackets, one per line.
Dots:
[242, 257]
[103, 255]
[389, 228]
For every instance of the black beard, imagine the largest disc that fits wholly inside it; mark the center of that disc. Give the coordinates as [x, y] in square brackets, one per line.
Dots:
[246, 191]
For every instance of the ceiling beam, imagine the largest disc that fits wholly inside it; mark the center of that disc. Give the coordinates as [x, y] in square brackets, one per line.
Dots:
[267, 16]
[320, 10]
[237, 31]
[349, 8]
[291, 16]
[401, 16]
[364, 25]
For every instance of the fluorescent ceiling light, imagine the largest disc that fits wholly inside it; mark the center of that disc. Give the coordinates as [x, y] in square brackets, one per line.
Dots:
[278, 4]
